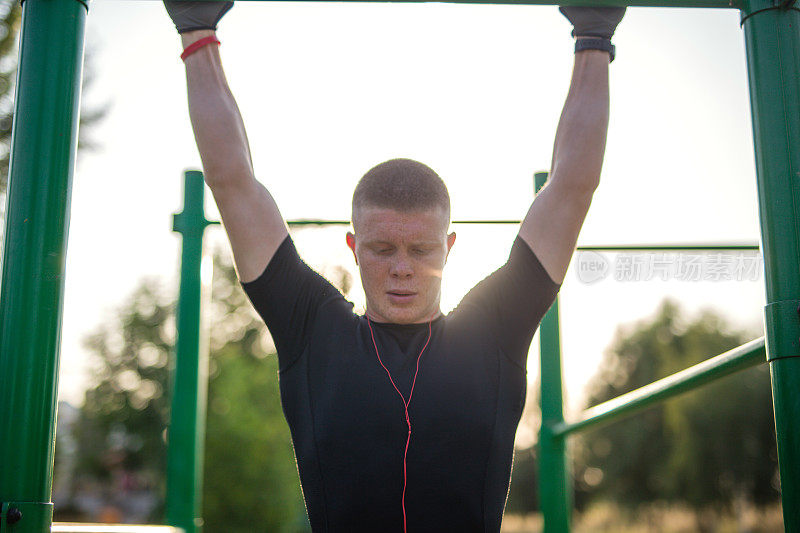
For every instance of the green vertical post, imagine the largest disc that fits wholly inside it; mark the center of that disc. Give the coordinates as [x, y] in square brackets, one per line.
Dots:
[186, 436]
[555, 484]
[772, 39]
[43, 149]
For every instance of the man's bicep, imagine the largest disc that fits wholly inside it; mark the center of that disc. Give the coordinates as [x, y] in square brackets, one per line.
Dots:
[552, 225]
[253, 223]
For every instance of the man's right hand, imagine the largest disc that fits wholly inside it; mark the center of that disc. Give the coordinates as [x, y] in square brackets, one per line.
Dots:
[190, 16]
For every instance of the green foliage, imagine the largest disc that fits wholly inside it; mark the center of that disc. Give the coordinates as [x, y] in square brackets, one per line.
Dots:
[10, 14]
[250, 469]
[125, 413]
[523, 496]
[10, 19]
[250, 472]
[707, 449]
[710, 450]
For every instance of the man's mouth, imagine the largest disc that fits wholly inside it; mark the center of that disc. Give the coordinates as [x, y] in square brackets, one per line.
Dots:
[400, 297]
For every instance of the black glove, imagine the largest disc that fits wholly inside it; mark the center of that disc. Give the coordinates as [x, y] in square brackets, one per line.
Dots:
[593, 21]
[189, 16]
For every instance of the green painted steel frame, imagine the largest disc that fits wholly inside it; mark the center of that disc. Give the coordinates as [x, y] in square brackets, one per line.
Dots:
[746, 356]
[772, 44]
[190, 375]
[322, 222]
[555, 478]
[42, 163]
[43, 150]
[772, 39]
[632, 3]
[69, 527]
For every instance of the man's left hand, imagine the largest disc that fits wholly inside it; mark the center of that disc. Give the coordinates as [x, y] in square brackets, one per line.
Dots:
[593, 21]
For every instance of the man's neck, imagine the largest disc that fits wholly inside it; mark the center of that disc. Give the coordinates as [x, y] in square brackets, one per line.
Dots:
[379, 319]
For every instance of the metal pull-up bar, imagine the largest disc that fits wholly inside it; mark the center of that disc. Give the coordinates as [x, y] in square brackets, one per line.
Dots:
[734, 4]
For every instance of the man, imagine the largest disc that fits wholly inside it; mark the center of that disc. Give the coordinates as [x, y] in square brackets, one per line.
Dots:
[402, 419]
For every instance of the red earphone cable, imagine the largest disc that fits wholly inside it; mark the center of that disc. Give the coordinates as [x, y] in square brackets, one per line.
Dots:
[405, 404]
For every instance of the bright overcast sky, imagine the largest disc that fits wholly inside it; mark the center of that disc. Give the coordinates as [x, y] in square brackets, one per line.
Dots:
[329, 90]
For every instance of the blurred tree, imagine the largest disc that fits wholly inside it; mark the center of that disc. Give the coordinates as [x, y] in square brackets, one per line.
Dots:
[250, 472]
[523, 496]
[722, 437]
[10, 19]
[126, 410]
[708, 449]
[631, 451]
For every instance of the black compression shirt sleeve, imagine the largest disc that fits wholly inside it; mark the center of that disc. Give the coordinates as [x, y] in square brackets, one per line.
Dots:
[287, 296]
[511, 302]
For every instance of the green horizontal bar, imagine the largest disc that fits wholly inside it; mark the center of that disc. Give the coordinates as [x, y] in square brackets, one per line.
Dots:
[597, 248]
[321, 222]
[598, 3]
[69, 527]
[741, 358]
[660, 247]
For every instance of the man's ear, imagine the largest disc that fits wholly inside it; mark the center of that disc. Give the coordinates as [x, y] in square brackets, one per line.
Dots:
[351, 243]
[451, 240]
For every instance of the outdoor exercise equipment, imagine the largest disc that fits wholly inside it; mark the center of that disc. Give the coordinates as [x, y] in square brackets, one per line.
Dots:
[184, 475]
[43, 152]
[184, 468]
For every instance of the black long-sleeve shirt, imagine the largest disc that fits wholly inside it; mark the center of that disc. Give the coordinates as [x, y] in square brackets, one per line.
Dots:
[347, 421]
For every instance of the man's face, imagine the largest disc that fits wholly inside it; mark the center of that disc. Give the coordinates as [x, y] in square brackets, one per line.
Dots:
[401, 255]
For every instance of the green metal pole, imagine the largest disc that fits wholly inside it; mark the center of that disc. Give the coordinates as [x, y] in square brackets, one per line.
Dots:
[555, 484]
[772, 39]
[597, 3]
[323, 222]
[743, 357]
[190, 378]
[43, 149]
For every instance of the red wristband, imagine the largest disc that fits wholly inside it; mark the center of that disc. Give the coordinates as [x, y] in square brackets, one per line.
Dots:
[195, 46]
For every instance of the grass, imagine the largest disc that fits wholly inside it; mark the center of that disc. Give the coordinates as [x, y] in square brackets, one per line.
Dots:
[658, 518]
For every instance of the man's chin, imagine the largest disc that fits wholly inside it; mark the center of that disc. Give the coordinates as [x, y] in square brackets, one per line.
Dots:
[399, 315]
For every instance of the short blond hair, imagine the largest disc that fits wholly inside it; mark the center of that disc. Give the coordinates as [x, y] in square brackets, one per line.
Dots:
[401, 184]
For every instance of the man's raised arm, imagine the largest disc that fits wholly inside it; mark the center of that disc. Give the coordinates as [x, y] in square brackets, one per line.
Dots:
[555, 218]
[250, 216]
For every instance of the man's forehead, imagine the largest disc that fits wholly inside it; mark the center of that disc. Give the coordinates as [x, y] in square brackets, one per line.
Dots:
[373, 221]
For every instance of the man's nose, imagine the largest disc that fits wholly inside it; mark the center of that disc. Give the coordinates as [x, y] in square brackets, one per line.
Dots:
[402, 269]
